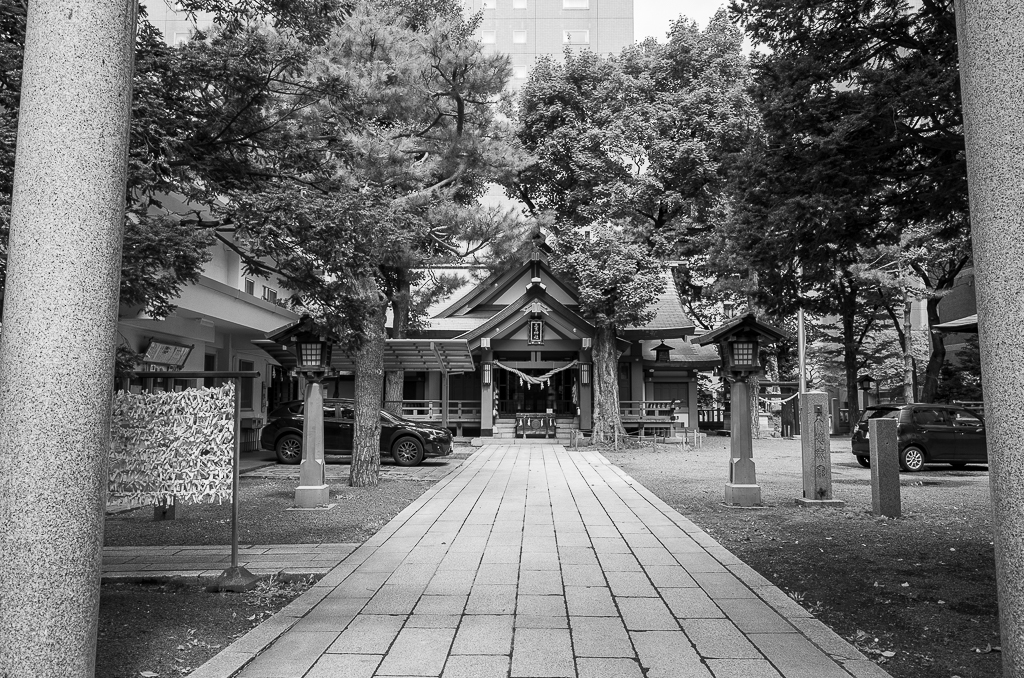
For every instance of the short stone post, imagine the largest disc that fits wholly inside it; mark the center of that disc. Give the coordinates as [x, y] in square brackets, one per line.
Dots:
[742, 488]
[59, 329]
[814, 445]
[990, 38]
[885, 467]
[312, 490]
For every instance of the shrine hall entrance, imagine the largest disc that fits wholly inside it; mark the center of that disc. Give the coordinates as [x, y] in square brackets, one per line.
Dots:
[515, 395]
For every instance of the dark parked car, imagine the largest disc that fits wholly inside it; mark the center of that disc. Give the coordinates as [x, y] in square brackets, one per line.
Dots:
[407, 441]
[927, 434]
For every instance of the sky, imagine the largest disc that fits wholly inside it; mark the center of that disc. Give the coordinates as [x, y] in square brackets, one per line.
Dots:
[652, 17]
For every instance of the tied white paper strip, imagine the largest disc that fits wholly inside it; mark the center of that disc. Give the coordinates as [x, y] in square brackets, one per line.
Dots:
[173, 447]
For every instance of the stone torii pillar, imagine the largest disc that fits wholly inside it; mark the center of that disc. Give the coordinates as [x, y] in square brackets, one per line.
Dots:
[990, 35]
[60, 318]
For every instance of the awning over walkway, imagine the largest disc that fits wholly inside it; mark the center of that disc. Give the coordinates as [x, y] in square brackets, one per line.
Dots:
[966, 324]
[418, 355]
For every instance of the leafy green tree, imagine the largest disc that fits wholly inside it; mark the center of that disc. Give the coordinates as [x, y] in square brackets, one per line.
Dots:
[396, 130]
[618, 281]
[962, 380]
[638, 140]
[862, 141]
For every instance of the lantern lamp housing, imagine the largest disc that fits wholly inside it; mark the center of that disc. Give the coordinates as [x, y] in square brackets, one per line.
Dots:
[865, 382]
[661, 352]
[585, 373]
[312, 352]
[487, 374]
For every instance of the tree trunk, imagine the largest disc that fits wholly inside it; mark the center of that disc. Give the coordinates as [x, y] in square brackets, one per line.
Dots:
[607, 418]
[850, 347]
[908, 350]
[365, 468]
[394, 382]
[937, 356]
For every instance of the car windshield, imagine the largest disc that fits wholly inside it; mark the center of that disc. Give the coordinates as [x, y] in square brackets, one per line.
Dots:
[879, 413]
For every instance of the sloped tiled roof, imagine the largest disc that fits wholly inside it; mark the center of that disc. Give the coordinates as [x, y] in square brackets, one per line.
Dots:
[670, 319]
[684, 353]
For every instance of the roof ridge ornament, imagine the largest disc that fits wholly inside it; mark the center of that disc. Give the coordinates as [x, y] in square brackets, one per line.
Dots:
[536, 306]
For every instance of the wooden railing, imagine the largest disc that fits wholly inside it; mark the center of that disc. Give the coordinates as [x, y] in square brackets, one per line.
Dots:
[646, 410]
[430, 410]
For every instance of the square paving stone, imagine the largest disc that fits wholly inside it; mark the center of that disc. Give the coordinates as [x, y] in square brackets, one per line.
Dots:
[795, 656]
[492, 599]
[539, 621]
[451, 583]
[610, 545]
[590, 601]
[543, 653]
[550, 606]
[699, 562]
[752, 615]
[432, 621]
[722, 585]
[291, 656]
[440, 605]
[609, 668]
[654, 556]
[619, 562]
[668, 654]
[393, 600]
[632, 584]
[584, 575]
[476, 666]
[345, 666]
[691, 603]
[669, 576]
[719, 639]
[540, 582]
[742, 668]
[497, 573]
[576, 555]
[484, 634]
[368, 634]
[417, 652]
[540, 560]
[600, 637]
[646, 614]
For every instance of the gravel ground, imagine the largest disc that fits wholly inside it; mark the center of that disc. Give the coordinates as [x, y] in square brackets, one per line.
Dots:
[917, 594]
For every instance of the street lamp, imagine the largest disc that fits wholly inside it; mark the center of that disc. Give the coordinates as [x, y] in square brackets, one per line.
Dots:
[313, 352]
[865, 382]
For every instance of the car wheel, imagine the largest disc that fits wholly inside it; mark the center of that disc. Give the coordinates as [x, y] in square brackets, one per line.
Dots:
[407, 452]
[912, 458]
[958, 464]
[289, 449]
[864, 461]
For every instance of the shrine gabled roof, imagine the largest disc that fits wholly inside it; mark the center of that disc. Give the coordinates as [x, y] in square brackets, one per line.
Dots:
[748, 322]
[684, 354]
[670, 320]
[490, 291]
[510, 312]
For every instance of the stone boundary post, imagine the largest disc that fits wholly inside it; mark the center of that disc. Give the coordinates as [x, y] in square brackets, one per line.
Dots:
[885, 468]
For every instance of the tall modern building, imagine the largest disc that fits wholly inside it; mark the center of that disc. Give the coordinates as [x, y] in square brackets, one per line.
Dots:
[528, 29]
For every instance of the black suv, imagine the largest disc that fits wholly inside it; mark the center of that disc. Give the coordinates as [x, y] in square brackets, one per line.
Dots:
[925, 434]
[407, 441]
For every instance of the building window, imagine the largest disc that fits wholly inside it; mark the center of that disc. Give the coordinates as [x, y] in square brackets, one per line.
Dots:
[518, 37]
[489, 37]
[245, 392]
[181, 38]
[518, 4]
[575, 4]
[489, 4]
[576, 37]
[520, 72]
[250, 287]
[269, 294]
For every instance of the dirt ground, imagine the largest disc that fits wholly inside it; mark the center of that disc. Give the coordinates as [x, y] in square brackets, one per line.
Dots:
[917, 594]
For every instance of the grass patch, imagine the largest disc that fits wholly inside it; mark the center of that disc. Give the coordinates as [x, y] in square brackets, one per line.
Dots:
[916, 594]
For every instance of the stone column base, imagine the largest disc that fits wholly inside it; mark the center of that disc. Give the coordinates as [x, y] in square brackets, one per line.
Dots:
[310, 496]
[742, 495]
[837, 503]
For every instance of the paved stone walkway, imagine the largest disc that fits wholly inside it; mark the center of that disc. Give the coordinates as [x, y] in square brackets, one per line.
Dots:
[207, 562]
[530, 561]
[432, 469]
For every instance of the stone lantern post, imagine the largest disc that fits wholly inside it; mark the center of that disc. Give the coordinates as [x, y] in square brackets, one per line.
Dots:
[739, 343]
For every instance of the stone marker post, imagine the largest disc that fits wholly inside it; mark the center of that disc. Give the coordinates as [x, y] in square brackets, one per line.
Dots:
[742, 488]
[60, 318]
[990, 35]
[816, 452]
[885, 467]
[312, 490]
